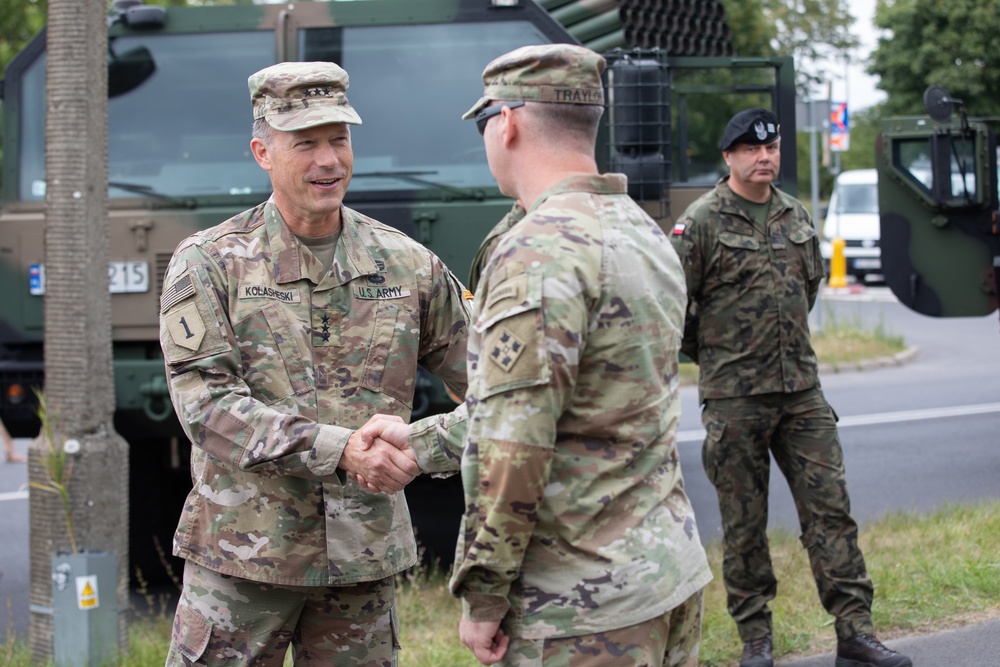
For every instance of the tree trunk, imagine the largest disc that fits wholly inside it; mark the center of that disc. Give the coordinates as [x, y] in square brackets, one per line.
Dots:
[79, 384]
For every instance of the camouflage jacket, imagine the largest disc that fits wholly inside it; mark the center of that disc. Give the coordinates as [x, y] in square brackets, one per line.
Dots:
[489, 243]
[576, 517]
[271, 365]
[750, 290]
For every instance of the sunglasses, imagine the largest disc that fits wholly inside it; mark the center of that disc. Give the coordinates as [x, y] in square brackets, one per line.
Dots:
[484, 116]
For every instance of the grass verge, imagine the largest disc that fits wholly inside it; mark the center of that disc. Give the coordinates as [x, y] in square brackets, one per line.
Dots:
[951, 579]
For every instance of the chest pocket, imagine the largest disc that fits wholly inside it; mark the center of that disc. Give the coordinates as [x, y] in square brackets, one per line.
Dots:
[802, 237]
[390, 366]
[274, 366]
[738, 255]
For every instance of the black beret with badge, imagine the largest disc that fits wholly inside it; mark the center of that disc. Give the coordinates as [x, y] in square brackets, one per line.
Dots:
[753, 126]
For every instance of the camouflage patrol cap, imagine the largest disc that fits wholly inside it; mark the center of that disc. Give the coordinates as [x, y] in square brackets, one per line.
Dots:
[294, 96]
[563, 73]
[752, 126]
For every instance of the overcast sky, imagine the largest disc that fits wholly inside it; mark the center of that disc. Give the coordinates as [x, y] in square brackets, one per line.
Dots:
[853, 85]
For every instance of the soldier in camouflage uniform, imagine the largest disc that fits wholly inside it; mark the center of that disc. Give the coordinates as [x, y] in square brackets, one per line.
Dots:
[578, 545]
[753, 267]
[285, 329]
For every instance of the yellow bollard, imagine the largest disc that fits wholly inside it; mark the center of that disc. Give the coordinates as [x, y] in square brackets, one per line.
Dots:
[838, 264]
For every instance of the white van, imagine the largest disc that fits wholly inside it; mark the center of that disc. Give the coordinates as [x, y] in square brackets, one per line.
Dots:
[853, 216]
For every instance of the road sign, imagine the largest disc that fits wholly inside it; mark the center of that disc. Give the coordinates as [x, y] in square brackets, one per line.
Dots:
[840, 128]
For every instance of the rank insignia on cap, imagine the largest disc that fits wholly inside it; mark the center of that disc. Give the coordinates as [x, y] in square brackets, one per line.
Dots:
[506, 350]
[679, 228]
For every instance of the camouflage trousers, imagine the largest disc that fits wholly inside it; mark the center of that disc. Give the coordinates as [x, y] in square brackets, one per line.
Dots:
[223, 620]
[670, 640]
[800, 430]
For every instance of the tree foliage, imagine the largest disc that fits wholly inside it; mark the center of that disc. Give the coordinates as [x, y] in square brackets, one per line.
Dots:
[811, 31]
[19, 21]
[949, 44]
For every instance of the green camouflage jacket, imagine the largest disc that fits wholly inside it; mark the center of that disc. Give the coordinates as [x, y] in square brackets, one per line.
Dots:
[489, 243]
[271, 365]
[576, 517]
[750, 289]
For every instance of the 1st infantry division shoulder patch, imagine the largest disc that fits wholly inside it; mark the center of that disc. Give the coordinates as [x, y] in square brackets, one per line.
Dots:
[506, 349]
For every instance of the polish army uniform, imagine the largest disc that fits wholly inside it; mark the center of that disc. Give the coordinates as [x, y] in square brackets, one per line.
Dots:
[576, 521]
[272, 363]
[751, 282]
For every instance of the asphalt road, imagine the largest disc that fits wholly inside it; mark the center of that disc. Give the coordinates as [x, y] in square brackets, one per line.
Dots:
[915, 436]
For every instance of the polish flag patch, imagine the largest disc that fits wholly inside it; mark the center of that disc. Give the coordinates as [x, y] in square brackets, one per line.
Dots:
[679, 228]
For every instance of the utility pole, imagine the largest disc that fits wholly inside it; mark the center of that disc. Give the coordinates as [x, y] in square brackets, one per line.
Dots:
[79, 384]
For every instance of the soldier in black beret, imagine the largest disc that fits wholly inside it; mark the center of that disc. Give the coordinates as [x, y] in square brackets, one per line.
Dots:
[753, 127]
[753, 269]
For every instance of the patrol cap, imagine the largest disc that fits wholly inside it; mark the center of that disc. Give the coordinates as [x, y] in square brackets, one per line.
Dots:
[753, 126]
[563, 73]
[295, 95]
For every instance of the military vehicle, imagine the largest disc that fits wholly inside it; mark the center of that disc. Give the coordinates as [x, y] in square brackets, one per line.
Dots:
[179, 161]
[940, 234]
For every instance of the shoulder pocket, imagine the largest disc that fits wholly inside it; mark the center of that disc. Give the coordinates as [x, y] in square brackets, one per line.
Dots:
[190, 326]
[511, 330]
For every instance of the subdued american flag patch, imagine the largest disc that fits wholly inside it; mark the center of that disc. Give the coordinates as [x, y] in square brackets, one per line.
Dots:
[177, 292]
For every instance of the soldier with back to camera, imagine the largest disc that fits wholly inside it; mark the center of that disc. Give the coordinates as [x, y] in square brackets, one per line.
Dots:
[578, 544]
[753, 267]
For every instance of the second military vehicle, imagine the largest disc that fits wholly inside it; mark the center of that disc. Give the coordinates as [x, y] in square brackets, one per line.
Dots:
[940, 234]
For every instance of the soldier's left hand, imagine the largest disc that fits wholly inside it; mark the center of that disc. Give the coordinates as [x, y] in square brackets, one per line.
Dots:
[485, 639]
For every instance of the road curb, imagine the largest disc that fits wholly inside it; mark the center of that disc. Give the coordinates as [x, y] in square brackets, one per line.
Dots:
[898, 359]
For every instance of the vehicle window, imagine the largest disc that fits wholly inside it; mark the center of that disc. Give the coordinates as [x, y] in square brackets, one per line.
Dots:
[857, 198]
[913, 158]
[185, 131]
[410, 85]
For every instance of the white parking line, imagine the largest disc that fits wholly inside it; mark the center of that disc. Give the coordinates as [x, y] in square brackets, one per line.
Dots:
[882, 418]
[14, 495]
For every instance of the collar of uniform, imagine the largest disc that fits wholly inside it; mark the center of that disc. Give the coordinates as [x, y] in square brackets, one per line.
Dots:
[779, 200]
[285, 248]
[598, 184]
[352, 257]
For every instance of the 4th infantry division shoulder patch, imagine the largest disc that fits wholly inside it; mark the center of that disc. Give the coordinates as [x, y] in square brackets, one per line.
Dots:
[506, 349]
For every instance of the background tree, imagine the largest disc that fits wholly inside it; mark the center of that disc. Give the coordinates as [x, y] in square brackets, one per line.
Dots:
[950, 44]
[19, 22]
[79, 385]
[811, 31]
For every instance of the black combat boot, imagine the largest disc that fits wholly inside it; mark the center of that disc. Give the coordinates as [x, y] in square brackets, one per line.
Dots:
[757, 653]
[868, 651]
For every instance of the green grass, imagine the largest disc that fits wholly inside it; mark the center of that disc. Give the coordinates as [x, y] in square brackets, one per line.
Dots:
[846, 342]
[930, 571]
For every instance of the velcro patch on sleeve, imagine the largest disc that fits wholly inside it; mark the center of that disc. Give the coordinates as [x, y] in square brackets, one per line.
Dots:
[506, 348]
[512, 290]
[189, 327]
[186, 327]
[515, 347]
[176, 293]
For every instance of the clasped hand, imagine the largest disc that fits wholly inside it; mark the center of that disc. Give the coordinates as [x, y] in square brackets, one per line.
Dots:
[378, 455]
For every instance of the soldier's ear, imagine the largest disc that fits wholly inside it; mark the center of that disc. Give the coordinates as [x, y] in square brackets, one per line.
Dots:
[260, 153]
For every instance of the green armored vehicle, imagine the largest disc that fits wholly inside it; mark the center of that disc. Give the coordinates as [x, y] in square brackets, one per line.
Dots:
[179, 161]
[940, 233]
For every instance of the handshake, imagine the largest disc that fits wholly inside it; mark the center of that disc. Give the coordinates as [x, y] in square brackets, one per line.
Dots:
[378, 455]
